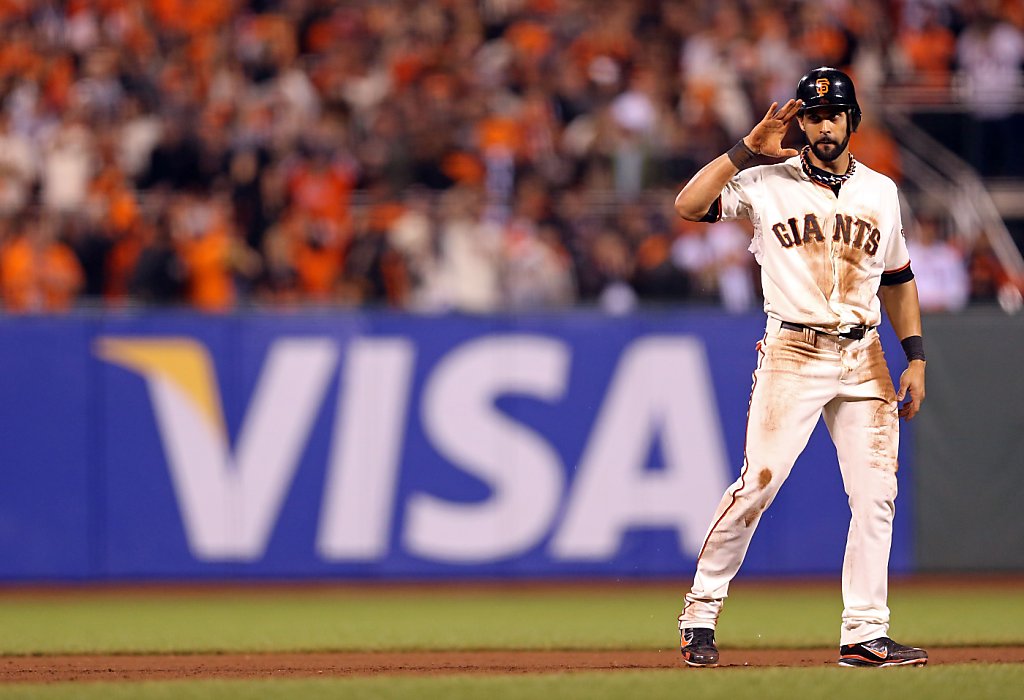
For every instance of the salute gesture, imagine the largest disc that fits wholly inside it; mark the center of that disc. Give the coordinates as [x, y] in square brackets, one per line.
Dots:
[695, 199]
[766, 137]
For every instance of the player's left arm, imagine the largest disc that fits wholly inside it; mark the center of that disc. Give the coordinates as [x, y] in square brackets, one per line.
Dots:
[904, 311]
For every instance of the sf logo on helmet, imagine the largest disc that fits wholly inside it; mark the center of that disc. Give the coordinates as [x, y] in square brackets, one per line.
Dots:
[822, 85]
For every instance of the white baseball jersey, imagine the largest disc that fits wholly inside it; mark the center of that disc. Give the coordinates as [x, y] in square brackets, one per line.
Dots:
[822, 256]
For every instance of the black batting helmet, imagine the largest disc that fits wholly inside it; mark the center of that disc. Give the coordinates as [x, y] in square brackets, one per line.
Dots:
[828, 87]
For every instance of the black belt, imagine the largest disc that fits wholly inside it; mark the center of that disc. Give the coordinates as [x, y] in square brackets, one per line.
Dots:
[855, 333]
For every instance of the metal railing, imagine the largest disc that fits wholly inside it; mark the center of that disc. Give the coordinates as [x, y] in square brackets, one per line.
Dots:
[957, 96]
[948, 183]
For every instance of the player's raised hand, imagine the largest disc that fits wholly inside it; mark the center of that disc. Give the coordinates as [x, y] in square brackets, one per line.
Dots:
[766, 137]
[912, 383]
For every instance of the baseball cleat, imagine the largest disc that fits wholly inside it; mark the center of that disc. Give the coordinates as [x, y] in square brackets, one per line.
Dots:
[881, 653]
[698, 647]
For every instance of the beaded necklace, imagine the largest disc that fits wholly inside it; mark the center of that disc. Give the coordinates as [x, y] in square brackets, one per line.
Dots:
[823, 176]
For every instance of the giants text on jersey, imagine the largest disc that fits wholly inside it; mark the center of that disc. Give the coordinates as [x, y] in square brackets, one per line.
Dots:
[822, 255]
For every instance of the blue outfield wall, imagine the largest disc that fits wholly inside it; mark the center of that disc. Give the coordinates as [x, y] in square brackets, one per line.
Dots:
[359, 445]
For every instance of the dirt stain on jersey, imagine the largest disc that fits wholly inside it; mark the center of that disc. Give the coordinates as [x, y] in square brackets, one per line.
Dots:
[818, 261]
[764, 478]
[852, 274]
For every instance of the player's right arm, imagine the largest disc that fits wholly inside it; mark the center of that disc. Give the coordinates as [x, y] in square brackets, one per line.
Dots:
[697, 196]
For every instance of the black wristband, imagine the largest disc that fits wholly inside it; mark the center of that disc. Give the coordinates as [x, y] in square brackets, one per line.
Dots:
[740, 155]
[913, 347]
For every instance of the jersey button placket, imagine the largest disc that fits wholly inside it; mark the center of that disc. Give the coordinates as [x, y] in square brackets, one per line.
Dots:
[835, 251]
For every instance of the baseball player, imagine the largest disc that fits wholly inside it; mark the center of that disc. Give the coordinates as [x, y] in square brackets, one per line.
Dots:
[828, 237]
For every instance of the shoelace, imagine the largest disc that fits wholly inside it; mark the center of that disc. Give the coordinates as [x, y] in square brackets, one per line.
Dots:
[700, 636]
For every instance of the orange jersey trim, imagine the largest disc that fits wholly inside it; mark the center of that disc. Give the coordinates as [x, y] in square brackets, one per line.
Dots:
[898, 269]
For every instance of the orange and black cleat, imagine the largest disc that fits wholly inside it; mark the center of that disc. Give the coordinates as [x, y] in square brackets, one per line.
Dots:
[698, 647]
[881, 653]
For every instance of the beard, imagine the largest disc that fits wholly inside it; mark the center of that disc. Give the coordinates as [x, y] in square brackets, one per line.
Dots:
[827, 155]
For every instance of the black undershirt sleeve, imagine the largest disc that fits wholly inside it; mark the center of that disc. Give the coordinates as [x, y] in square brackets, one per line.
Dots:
[715, 212]
[904, 274]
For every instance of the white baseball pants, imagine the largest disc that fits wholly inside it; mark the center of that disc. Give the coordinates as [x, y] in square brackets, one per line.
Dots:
[801, 375]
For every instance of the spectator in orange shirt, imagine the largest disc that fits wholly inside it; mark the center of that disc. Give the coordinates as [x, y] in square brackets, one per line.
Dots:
[930, 50]
[38, 273]
[211, 254]
[322, 188]
[317, 253]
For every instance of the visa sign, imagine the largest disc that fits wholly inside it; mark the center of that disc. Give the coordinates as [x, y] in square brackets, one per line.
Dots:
[230, 490]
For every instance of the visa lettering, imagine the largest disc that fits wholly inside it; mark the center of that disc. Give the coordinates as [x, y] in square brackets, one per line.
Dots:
[230, 496]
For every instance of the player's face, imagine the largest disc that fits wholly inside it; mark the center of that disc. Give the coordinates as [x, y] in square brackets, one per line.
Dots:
[827, 131]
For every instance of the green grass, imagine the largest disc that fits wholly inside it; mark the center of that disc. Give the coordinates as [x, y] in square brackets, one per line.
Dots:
[610, 618]
[980, 682]
[981, 616]
[638, 617]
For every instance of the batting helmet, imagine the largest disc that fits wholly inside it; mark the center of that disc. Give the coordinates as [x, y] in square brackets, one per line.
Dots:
[828, 87]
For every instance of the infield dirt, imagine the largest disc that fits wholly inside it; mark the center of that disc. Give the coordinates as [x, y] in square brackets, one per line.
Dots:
[56, 669]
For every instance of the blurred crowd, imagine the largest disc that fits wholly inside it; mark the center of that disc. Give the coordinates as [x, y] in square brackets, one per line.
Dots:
[474, 155]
